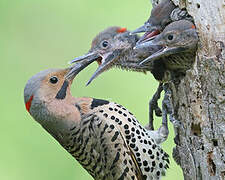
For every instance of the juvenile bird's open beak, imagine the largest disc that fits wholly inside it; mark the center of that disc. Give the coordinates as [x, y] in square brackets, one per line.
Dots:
[150, 43]
[81, 63]
[148, 35]
[164, 51]
[88, 57]
[140, 29]
[106, 63]
[150, 32]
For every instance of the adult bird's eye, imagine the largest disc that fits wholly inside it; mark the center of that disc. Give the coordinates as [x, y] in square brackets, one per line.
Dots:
[170, 37]
[105, 44]
[53, 80]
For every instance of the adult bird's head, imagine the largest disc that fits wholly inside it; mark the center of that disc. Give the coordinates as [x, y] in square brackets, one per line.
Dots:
[106, 49]
[177, 38]
[47, 86]
[159, 18]
[47, 98]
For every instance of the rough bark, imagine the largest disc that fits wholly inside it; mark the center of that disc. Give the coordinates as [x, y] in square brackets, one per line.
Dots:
[199, 99]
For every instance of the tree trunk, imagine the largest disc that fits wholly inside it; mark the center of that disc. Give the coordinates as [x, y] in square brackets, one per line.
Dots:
[199, 99]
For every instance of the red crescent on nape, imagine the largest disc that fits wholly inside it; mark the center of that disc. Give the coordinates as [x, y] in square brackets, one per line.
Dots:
[28, 103]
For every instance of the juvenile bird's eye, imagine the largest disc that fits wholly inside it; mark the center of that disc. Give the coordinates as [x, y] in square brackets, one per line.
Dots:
[53, 80]
[170, 37]
[105, 44]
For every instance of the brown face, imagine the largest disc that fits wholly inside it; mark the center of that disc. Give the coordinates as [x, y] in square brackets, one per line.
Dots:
[48, 100]
[54, 85]
[46, 86]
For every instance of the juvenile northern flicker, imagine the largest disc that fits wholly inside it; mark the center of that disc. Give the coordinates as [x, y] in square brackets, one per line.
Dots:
[113, 47]
[103, 136]
[178, 43]
[159, 18]
[161, 15]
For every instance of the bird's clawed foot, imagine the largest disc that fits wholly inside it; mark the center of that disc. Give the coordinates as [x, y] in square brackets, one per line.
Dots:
[153, 106]
[168, 109]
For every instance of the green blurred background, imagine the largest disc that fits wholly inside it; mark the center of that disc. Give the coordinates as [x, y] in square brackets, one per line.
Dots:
[41, 34]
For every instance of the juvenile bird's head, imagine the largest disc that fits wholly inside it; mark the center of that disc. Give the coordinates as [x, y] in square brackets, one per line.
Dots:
[109, 40]
[177, 38]
[107, 48]
[159, 18]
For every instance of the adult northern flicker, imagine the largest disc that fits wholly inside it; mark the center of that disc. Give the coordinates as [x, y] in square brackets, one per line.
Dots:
[161, 15]
[103, 136]
[113, 47]
[178, 43]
